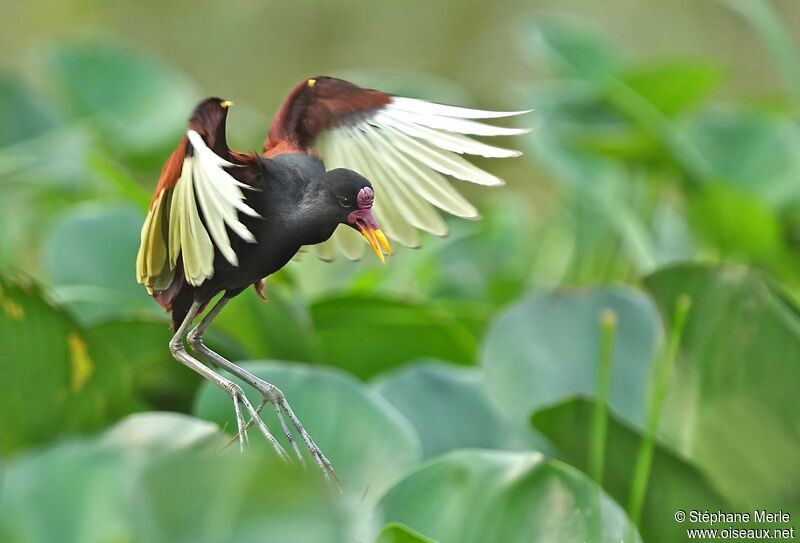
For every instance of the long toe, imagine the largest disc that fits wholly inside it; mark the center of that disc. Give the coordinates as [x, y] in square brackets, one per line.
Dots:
[239, 399]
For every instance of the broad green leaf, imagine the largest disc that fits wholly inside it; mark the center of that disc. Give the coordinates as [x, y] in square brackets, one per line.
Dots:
[474, 316]
[366, 335]
[90, 257]
[489, 260]
[450, 409]
[757, 152]
[369, 443]
[475, 496]
[590, 60]
[736, 224]
[54, 376]
[575, 50]
[162, 478]
[546, 347]
[114, 174]
[24, 115]
[280, 328]
[673, 87]
[138, 104]
[732, 404]
[157, 378]
[674, 484]
[398, 533]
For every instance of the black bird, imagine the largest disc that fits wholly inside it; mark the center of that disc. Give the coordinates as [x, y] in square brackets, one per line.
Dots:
[221, 220]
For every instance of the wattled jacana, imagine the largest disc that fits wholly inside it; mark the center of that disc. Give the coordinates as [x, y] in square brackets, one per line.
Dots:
[221, 220]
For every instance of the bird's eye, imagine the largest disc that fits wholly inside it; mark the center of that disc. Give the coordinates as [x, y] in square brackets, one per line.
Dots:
[344, 201]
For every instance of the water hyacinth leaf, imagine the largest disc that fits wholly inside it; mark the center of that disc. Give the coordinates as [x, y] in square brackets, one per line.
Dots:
[673, 484]
[731, 407]
[736, 224]
[398, 533]
[126, 94]
[161, 477]
[90, 258]
[158, 380]
[24, 116]
[673, 87]
[369, 443]
[592, 62]
[546, 347]
[489, 260]
[278, 329]
[512, 497]
[54, 376]
[357, 331]
[757, 152]
[36, 368]
[574, 50]
[450, 409]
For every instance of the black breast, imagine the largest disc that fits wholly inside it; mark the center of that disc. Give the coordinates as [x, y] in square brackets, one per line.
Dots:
[278, 186]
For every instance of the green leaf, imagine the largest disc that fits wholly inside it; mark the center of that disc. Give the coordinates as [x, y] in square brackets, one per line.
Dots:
[90, 258]
[736, 224]
[489, 260]
[547, 347]
[139, 104]
[449, 407]
[369, 443]
[477, 496]
[54, 376]
[575, 50]
[398, 533]
[279, 329]
[113, 174]
[756, 152]
[162, 478]
[732, 405]
[24, 116]
[589, 59]
[673, 87]
[157, 378]
[366, 335]
[674, 484]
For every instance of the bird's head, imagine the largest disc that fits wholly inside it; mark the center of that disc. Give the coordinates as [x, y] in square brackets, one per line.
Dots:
[208, 120]
[353, 196]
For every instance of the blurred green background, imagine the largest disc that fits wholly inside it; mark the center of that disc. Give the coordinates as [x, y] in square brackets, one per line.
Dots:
[454, 388]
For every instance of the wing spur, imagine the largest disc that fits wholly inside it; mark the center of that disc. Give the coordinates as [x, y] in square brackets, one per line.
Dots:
[194, 184]
[408, 148]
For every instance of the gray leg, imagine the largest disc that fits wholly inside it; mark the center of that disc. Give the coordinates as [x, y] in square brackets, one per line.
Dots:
[270, 393]
[232, 389]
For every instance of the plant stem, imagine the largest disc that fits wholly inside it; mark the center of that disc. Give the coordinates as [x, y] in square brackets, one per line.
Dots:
[661, 378]
[777, 38]
[597, 447]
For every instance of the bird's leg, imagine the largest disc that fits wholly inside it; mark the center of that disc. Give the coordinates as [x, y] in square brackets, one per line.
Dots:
[232, 389]
[269, 392]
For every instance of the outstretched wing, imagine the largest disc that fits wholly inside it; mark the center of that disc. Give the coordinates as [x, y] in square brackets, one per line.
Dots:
[407, 148]
[196, 199]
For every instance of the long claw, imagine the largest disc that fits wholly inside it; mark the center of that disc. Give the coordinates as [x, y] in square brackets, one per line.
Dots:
[242, 430]
[322, 462]
[264, 430]
[289, 436]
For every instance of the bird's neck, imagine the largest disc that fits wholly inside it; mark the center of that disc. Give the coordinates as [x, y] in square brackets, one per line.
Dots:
[312, 219]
